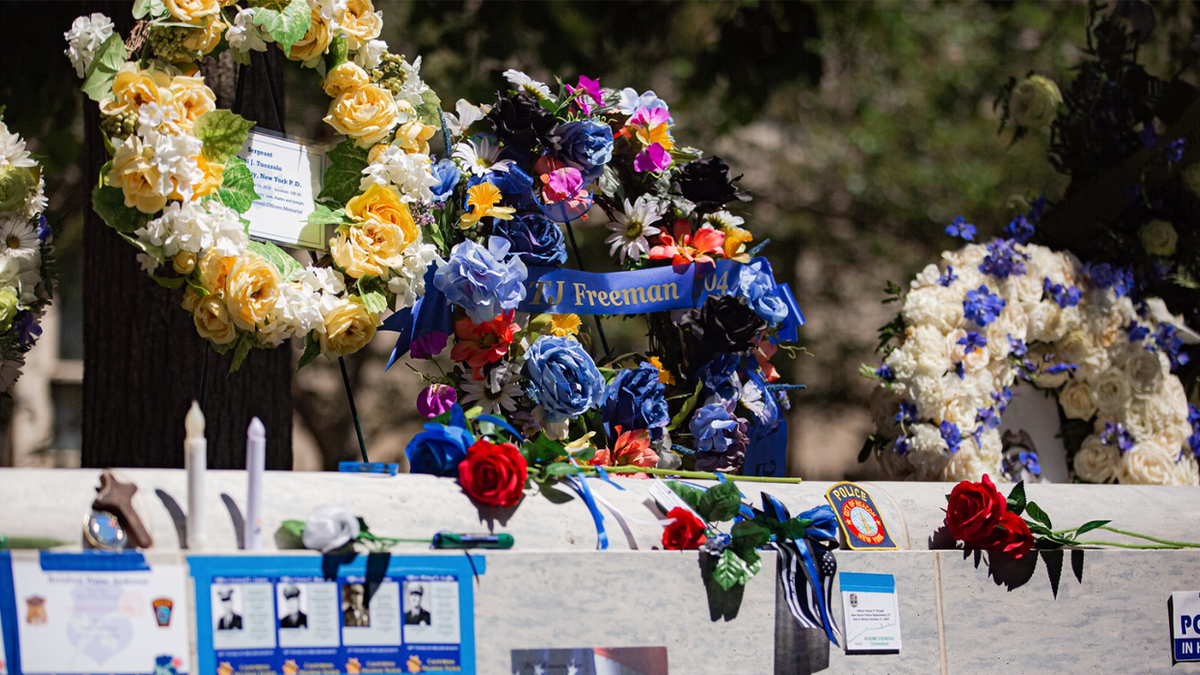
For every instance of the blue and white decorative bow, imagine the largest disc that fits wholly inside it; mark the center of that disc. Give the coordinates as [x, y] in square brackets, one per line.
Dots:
[810, 553]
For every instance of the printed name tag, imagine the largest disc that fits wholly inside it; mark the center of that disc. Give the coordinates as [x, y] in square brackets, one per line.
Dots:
[859, 518]
[287, 175]
[1185, 626]
[872, 612]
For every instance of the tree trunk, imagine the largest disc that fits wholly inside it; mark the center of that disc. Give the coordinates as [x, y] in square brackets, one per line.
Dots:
[142, 357]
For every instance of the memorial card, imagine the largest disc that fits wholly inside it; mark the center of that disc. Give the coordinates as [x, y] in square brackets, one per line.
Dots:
[287, 178]
[591, 661]
[85, 613]
[872, 613]
[291, 615]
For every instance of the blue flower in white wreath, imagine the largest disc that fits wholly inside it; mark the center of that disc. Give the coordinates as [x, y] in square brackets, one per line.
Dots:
[982, 307]
[485, 282]
[562, 378]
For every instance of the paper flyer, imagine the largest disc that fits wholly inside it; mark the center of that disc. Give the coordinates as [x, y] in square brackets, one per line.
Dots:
[374, 614]
[91, 613]
[871, 611]
[287, 178]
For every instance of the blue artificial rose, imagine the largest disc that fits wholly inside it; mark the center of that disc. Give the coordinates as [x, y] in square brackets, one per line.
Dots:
[511, 182]
[563, 379]
[586, 146]
[713, 427]
[438, 450]
[447, 175]
[485, 282]
[717, 374]
[634, 400]
[756, 285]
[534, 237]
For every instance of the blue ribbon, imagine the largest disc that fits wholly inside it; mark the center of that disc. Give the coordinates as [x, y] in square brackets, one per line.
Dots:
[603, 475]
[431, 313]
[585, 493]
[823, 528]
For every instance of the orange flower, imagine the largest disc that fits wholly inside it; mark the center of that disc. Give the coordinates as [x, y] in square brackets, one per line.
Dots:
[687, 246]
[664, 375]
[763, 352]
[480, 344]
[631, 449]
[482, 200]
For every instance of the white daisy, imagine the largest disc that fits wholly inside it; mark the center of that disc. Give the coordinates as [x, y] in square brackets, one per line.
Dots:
[495, 392]
[19, 236]
[524, 83]
[723, 219]
[478, 154]
[12, 149]
[10, 370]
[630, 229]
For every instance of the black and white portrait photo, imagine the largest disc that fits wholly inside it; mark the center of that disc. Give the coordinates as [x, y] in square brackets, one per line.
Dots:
[415, 612]
[291, 608]
[355, 613]
[228, 616]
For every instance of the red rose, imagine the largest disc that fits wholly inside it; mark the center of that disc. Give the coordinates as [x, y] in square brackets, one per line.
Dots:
[687, 532]
[493, 474]
[974, 511]
[1012, 538]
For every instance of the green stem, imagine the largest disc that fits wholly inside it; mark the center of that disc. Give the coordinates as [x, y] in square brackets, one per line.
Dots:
[696, 475]
[1142, 547]
[1177, 544]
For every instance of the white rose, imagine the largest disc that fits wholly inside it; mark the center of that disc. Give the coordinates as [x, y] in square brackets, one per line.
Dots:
[1148, 463]
[1011, 322]
[1096, 462]
[1175, 397]
[927, 277]
[902, 362]
[1146, 417]
[884, 405]
[1112, 392]
[1077, 401]
[1145, 370]
[966, 464]
[966, 257]
[1186, 472]
[960, 413]
[933, 305]
[991, 447]
[895, 466]
[1043, 357]
[1045, 322]
[927, 451]
[329, 528]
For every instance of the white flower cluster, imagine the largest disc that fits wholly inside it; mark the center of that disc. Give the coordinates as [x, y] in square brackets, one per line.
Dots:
[407, 171]
[969, 333]
[195, 227]
[85, 37]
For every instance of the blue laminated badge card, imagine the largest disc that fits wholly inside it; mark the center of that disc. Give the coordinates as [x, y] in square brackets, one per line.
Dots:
[871, 611]
[298, 615]
[1185, 626]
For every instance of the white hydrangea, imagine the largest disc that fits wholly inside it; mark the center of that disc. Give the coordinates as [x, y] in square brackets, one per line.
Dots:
[408, 282]
[297, 312]
[86, 35]
[413, 86]
[174, 158]
[370, 54]
[195, 227]
[409, 172]
[244, 36]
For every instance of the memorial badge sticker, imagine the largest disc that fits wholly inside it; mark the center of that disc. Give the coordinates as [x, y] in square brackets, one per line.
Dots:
[872, 613]
[1185, 626]
[859, 518]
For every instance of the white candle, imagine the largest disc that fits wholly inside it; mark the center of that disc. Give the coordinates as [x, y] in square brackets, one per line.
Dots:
[195, 457]
[256, 463]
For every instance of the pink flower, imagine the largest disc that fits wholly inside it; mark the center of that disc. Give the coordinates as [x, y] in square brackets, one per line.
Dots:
[436, 399]
[653, 158]
[561, 184]
[650, 117]
[590, 89]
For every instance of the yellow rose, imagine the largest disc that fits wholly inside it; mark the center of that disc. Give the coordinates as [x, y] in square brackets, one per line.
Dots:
[375, 151]
[413, 137]
[349, 326]
[351, 251]
[184, 262]
[214, 174]
[192, 11]
[191, 300]
[382, 203]
[1034, 102]
[133, 87]
[314, 43]
[212, 320]
[214, 269]
[346, 77]
[251, 288]
[360, 23]
[137, 177]
[191, 98]
[366, 114]
[205, 39]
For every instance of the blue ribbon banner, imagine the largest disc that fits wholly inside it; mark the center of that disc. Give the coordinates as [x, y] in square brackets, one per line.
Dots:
[555, 290]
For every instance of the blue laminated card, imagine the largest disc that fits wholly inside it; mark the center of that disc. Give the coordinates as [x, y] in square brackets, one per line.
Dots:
[294, 615]
[871, 611]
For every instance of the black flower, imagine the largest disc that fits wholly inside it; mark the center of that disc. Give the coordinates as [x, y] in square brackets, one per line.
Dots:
[706, 183]
[523, 124]
[725, 323]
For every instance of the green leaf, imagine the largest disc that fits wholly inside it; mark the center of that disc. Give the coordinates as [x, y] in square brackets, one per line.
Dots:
[338, 53]
[237, 188]
[752, 557]
[290, 534]
[731, 570]
[168, 282]
[430, 110]
[341, 181]
[1091, 525]
[244, 345]
[286, 264]
[109, 203]
[323, 215]
[223, 132]
[749, 535]
[542, 449]
[375, 301]
[97, 82]
[285, 26]
[561, 469]
[1038, 528]
[1038, 514]
[720, 502]
[688, 406]
[1016, 498]
[690, 495]
[312, 349]
[795, 528]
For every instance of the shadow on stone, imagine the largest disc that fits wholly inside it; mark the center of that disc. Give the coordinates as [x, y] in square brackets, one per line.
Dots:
[176, 514]
[490, 515]
[722, 604]
[942, 541]
[235, 515]
[798, 650]
[1012, 573]
[1054, 565]
[1077, 564]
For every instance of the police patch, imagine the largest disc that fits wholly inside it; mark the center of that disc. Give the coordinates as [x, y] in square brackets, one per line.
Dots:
[859, 517]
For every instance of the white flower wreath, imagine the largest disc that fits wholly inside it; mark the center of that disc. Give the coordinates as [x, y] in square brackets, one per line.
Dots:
[989, 314]
[176, 189]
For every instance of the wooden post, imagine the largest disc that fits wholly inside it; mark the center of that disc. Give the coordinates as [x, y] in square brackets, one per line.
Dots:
[142, 356]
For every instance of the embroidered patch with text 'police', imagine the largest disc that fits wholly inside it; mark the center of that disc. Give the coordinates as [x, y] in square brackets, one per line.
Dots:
[859, 518]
